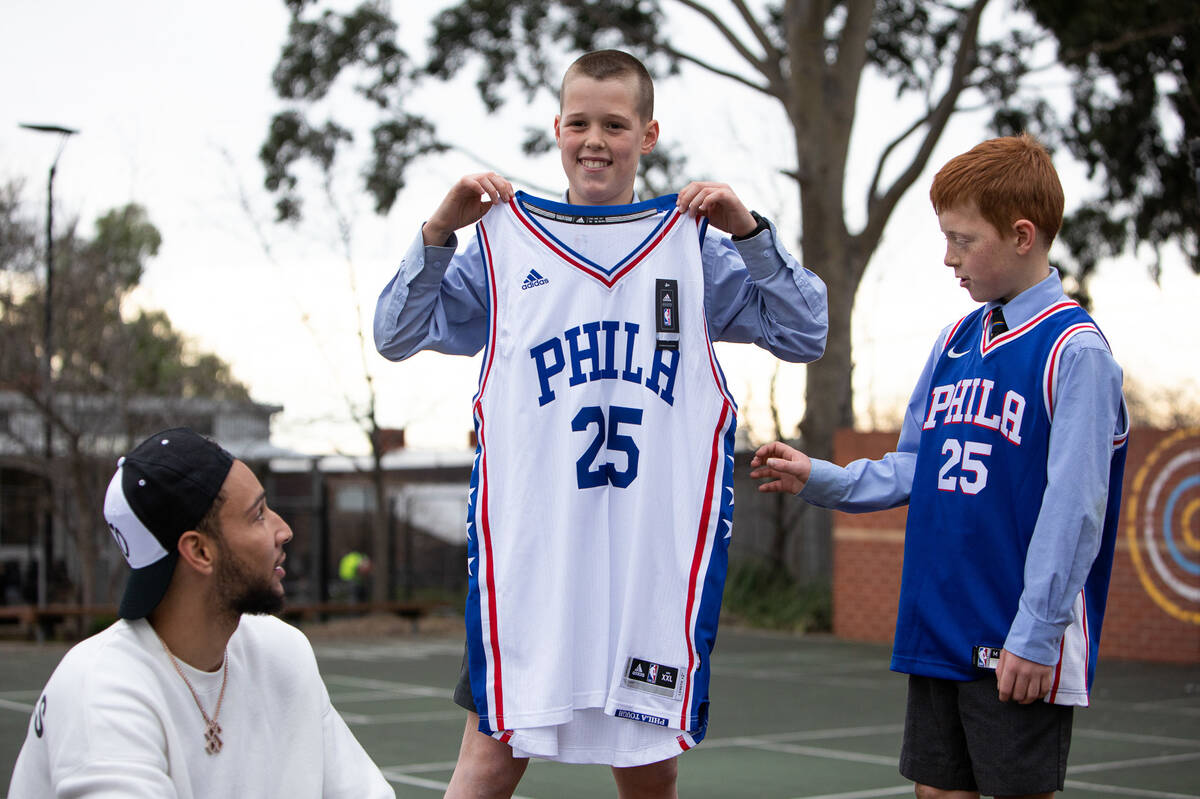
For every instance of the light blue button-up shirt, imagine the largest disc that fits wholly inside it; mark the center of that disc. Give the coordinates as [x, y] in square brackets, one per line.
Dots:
[754, 291]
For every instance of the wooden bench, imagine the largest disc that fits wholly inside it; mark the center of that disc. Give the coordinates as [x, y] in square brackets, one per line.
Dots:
[37, 621]
[317, 611]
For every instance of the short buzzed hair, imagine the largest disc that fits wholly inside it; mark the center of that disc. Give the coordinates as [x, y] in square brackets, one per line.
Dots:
[1008, 178]
[610, 64]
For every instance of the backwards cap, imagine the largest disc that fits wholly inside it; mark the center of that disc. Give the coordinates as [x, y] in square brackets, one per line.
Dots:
[161, 489]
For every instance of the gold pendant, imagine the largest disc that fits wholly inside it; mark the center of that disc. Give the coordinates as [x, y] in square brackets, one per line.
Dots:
[212, 737]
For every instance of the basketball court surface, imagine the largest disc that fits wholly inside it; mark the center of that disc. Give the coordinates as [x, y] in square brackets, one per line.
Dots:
[792, 718]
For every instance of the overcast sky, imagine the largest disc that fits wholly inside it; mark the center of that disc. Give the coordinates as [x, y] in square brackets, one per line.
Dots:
[172, 101]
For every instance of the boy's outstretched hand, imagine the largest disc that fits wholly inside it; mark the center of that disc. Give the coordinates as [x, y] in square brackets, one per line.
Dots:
[717, 202]
[787, 468]
[464, 205]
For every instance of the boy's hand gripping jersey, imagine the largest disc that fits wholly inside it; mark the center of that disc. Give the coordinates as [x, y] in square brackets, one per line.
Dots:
[602, 491]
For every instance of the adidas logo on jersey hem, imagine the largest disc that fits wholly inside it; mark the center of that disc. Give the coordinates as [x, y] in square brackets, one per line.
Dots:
[533, 280]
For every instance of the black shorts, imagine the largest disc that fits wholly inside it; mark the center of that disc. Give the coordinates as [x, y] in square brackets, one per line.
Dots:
[462, 689]
[959, 736]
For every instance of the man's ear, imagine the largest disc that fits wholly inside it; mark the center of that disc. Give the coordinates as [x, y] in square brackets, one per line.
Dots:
[198, 550]
[1026, 235]
[650, 137]
[557, 131]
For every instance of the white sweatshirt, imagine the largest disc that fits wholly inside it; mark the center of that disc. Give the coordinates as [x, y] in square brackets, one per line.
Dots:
[116, 720]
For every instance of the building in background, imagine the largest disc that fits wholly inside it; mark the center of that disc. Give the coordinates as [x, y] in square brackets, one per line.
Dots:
[53, 540]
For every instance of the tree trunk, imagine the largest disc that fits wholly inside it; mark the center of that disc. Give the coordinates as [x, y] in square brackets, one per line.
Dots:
[381, 563]
[828, 251]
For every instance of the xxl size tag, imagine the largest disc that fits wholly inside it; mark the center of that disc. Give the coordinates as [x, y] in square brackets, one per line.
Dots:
[653, 678]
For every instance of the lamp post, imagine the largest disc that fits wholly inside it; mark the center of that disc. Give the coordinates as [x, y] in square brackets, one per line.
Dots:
[44, 545]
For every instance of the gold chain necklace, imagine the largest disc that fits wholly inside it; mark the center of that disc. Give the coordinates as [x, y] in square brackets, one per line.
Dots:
[212, 730]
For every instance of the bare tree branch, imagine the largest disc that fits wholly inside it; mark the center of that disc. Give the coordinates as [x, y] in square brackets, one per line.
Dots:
[1166, 29]
[737, 44]
[879, 208]
[887, 151]
[773, 53]
[852, 46]
[691, 59]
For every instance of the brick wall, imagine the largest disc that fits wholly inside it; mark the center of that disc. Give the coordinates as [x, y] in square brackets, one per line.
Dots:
[1154, 597]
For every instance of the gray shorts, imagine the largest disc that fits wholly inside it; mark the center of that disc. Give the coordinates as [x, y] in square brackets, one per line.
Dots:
[959, 736]
[462, 689]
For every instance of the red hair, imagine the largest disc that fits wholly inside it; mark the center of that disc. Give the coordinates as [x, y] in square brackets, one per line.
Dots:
[1007, 179]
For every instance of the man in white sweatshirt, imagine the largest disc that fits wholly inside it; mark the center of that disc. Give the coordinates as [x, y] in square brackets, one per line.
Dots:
[196, 691]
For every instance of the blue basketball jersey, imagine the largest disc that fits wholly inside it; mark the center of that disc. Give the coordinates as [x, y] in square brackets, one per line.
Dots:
[601, 497]
[980, 474]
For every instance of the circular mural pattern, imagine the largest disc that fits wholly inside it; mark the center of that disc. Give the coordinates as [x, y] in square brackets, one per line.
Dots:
[1163, 524]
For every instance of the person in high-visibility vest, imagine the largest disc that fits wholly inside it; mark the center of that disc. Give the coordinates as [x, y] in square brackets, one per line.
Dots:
[353, 569]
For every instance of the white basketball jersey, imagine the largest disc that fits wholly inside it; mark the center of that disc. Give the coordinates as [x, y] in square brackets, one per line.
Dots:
[602, 491]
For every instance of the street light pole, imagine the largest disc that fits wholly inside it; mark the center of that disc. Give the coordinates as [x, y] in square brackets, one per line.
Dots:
[44, 545]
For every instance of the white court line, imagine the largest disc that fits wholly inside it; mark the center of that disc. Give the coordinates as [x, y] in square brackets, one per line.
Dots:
[370, 696]
[8, 704]
[896, 790]
[801, 658]
[830, 754]
[802, 675]
[401, 775]
[1167, 706]
[416, 782]
[803, 735]
[1091, 786]
[799, 666]
[417, 768]
[1136, 738]
[375, 652]
[1136, 761]
[397, 688]
[363, 720]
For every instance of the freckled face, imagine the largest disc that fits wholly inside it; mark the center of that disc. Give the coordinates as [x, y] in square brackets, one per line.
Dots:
[981, 257]
[601, 138]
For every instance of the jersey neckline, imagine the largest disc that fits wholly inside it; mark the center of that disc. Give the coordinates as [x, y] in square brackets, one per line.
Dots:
[526, 208]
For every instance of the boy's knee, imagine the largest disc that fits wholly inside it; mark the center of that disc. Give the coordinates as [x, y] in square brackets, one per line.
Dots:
[651, 781]
[929, 792]
[486, 767]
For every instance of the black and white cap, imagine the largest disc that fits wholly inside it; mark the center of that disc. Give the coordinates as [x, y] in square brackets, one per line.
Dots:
[161, 489]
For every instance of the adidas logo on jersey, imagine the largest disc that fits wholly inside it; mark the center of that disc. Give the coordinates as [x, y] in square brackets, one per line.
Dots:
[653, 678]
[533, 279]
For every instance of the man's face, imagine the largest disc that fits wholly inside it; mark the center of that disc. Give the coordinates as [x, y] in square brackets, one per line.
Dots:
[249, 569]
[983, 259]
[601, 138]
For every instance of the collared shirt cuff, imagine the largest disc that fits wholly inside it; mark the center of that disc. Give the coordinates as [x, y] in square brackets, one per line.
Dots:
[1034, 640]
[823, 488]
[436, 260]
[761, 253]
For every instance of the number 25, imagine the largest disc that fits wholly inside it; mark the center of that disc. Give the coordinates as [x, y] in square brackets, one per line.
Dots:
[602, 473]
[968, 453]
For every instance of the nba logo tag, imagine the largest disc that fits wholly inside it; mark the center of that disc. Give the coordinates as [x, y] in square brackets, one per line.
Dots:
[666, 320]
[987, 657]
[653, 676]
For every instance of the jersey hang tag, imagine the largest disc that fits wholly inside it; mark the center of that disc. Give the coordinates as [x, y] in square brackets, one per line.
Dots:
[653, 678]
[986, 657]
[666, 317]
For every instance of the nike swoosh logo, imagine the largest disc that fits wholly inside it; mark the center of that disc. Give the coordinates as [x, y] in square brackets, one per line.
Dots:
[954, 354]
